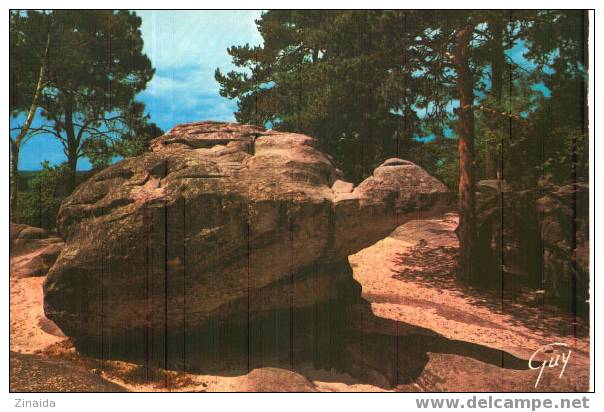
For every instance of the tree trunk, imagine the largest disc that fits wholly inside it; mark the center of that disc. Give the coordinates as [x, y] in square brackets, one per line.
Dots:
[72, 163]
[72, 147]
[465, 127]
[492, 166]
[14, 181]
[15, 144]
[498, 60]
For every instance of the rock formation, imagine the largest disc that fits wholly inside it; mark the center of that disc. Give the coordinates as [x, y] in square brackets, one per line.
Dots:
[32, 250]
[539, 238]
[564, 230]
[223, 234]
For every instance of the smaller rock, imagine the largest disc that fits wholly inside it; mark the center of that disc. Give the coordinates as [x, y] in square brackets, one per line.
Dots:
[397, 162]
[277, 380]
[29, 373]
[14, 231]
[33, 250]
[340, 186]
[491, 186]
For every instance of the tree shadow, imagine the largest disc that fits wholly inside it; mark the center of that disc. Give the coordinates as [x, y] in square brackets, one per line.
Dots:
[330, 342]
[434, 266]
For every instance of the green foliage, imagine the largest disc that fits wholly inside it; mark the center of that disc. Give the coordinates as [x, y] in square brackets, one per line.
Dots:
[28, 39]
[548, 145]
[101, 151]
[96, 66]
[93, 66]
[44, 191]
[367, 84]
[440, 158]
[322, 73]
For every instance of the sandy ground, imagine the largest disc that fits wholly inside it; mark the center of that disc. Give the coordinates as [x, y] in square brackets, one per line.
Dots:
[395, 280]
[30, 331]
[451, 331]
[408, 277]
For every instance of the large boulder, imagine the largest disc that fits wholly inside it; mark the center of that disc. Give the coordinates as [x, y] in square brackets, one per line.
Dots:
[33, 250]
[218, 227]
[564, 230]
[509, 244]
[537, 238]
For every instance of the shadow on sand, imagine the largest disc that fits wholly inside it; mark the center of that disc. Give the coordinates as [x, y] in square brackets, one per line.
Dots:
[351, 344]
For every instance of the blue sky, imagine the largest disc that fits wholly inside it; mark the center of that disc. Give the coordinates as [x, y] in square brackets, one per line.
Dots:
[185, 47]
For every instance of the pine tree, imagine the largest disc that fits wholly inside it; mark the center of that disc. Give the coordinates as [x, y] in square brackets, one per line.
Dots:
[95, 72]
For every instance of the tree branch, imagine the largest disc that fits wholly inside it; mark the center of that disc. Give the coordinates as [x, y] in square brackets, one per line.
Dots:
[34, 103]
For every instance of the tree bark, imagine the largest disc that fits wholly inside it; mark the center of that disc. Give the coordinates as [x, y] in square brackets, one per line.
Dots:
[14, 181]
[498, 60]
[15, 144]
[465, 128]
[492, 167]
[72, 147]
[72, 163]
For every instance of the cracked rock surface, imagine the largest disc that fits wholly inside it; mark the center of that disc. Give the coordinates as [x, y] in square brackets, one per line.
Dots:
[219, 226]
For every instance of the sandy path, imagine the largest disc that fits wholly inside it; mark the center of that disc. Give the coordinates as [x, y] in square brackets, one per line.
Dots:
[387, 272]
[32, 333]
[457, 312]
[30, 330]
[407, 278]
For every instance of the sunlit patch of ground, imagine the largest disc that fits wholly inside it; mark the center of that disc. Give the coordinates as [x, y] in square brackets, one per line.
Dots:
[408, 278]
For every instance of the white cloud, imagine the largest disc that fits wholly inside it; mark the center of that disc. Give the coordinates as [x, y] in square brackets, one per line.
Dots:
[178, 39]
[186, 47]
